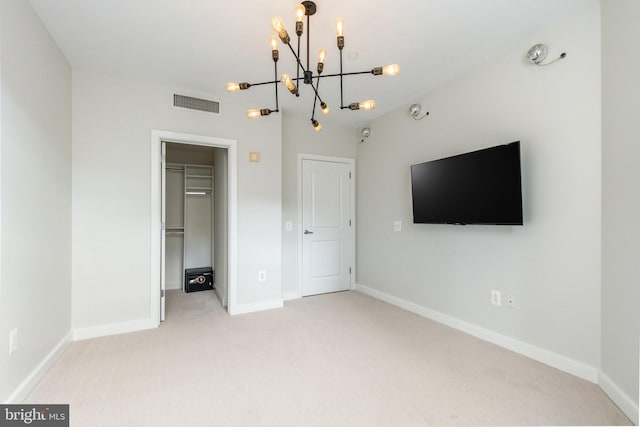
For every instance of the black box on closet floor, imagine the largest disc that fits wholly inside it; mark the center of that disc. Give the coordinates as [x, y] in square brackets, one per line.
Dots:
[199, 279]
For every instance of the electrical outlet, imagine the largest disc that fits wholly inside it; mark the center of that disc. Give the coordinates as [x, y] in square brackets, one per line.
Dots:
[511, 301]
[262, 276]
[397, 225]
[496, 298]
[288, 226]
[13, 340]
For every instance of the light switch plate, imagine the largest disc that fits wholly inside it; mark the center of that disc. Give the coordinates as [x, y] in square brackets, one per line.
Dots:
[254, 157]
[397, 225]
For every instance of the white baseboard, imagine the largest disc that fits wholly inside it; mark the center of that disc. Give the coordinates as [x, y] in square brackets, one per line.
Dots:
[29, 383]
[563, 363]
[256, 306]
[287, 296]
[113, 329]
[619, 397]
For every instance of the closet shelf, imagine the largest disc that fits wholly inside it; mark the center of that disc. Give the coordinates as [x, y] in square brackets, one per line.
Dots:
[199, 176]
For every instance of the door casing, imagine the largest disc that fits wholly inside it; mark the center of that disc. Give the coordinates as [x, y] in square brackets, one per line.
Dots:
[351, 162]
[157, 137]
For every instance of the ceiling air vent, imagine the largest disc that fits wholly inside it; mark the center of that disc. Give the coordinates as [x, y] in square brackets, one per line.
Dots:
[196, 104]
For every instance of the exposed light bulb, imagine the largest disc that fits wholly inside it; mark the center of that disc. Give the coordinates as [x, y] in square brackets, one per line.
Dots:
[364, 105]
[278, 27]
[253, 114]
[316, 126]
[300, 12]
[324, 107]
[391, 70]
[286, 80]
[275, 55]
[233, 87]
[340, 27]
[367, 105]
[277, 24]
[322, 54]
[340, 32]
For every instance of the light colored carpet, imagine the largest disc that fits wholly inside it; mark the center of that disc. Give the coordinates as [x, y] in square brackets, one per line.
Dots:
[341, 359]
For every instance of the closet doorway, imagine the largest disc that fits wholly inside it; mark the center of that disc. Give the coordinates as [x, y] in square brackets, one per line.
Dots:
[197, 229]
[194, 206]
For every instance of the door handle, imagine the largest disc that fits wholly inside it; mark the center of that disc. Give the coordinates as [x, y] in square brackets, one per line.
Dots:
[308, 232]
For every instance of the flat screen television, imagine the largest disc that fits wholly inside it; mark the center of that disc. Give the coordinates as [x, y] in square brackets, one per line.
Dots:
[480, 187]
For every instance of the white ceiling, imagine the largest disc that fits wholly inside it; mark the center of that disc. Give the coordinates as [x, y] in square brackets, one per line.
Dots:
[199, 45]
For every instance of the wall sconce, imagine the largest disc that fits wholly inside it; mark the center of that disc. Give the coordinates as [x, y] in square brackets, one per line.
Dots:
[415, 110]
[365, 132]
[538, 53]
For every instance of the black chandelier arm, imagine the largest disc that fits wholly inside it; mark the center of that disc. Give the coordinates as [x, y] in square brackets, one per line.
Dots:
[313, 112]
[316, 97]
[297, 56]
[302, 78]
[316, 94]
[265, 83]
[341, 75]
[308, 38]
[304, 71]
[275, 67]
[345, 74]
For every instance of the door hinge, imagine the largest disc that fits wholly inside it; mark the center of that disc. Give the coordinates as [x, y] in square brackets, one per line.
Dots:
[164, 158]
[349, 223]
[349, 271]
[161, 293]
[164, 226]
[349, 175]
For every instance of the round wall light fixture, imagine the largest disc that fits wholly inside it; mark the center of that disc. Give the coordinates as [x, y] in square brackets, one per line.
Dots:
[415, 110]
[539, 52]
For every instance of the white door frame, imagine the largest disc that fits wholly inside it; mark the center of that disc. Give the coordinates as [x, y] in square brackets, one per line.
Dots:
[163, 233]
[352, 164]
[157, 137]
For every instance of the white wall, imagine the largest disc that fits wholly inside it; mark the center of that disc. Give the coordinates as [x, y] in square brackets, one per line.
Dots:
[112, 123]
[35, 282]
[298, 136]
[551, 264]
[621, 205]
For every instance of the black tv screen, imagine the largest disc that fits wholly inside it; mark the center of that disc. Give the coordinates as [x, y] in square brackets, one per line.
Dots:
[481, 187]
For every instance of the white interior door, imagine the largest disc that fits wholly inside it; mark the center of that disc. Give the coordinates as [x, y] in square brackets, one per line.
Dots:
[163, 231]
[327, 241]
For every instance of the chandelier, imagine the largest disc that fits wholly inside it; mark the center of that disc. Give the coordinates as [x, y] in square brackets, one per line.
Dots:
[304, 73]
